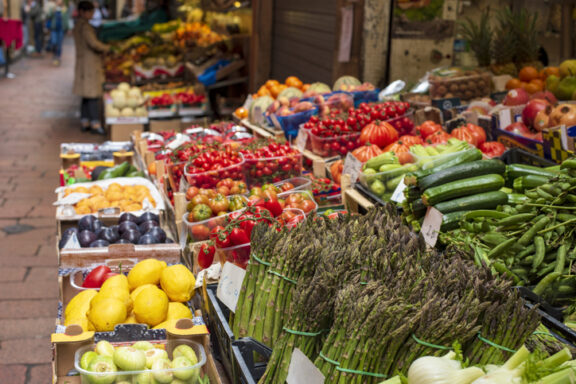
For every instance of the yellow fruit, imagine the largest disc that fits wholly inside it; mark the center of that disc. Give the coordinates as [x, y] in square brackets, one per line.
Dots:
[81, 321]
[177, 311]
[131, 319]
[119, 294]
[146, 272]
[105, 314]
[115, 282]
[135, 292]
[151, 306]
[80, 303]
[167, 324]
[178, 283]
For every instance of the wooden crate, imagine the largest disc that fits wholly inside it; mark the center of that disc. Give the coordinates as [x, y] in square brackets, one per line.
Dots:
[259, 131]
[353, 200]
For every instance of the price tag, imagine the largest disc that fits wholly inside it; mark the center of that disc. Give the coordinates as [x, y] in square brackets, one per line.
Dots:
[398, 195]
[352, 167]
[301, 140]
[446, 104]
[431, 226]
[302, 370]
[230, 284]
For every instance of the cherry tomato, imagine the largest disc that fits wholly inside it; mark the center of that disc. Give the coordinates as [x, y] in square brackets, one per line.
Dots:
[206, 255]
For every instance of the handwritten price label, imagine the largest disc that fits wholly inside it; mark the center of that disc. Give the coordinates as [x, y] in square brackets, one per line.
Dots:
[301, 140]
[398, 195]
[229, 286]
[352, 167]
[431, 226]
[302, 370]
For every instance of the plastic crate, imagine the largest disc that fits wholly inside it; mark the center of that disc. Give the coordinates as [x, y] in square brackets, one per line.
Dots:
[284, 195]
[290, 124]
[365, 96]
[386, 181]
[199, 230]
[324, 146]
[238, 254]
[248, 369]
[209, 179]
[403, 124]
[275, 165]
[299, 183]
[520, 156]
[221, 336]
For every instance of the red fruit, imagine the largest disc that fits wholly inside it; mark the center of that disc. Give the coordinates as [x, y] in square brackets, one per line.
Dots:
[519, 128]
[531, 110]
[516, 96]
[492, 148]
[206, 255]
[546, 95]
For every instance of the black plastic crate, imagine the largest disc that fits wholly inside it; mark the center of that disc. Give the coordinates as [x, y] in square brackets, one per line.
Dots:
[221, 335]
[250, 360]
[366, 192]
[520, 156]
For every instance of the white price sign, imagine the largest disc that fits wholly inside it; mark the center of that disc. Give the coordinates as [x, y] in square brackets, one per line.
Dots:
[302, 370]
[398, 195]
[229, 286]
[431, 226]
[352, 167]
[301, 140]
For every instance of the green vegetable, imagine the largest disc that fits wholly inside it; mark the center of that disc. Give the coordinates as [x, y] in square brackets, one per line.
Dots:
[378, 187]
[380, 160]
[540, 252]
[514, 171]
[452, 220]
[488, 200]
[529, 181]
[461, 188]
[537, 227]
[545, 282]
[117, 171]
[462, 171]
[442, 163]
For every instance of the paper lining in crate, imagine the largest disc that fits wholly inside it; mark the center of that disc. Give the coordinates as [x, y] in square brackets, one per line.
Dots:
[65, 204]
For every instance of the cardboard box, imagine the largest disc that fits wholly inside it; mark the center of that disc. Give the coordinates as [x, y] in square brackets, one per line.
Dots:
[559, 143]
[123, 132]
[165, 125]
[504, 118]
[65, 345]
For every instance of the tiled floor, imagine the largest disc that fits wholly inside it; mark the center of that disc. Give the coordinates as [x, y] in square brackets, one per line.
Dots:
[37, 113]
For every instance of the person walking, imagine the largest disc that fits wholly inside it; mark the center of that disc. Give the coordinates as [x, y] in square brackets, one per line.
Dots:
[36, 18]
[89, 73]
[59, 24]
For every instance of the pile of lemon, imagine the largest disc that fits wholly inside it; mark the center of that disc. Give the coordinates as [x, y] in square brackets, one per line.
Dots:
[128, 198]
[153, 293]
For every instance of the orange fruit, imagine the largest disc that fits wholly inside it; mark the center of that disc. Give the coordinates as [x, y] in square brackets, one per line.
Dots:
[274, 91]
[528, 73]
[549, 71]
[241, 113]
[539, 82]
[152, 168]
[532, 88]
[271, 83]
[263, 91]
[305, 87]
[293, 81]
[513, 84]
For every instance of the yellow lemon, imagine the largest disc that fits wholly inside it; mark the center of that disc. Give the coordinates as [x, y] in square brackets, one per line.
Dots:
[171, 323]
[131, 319]
[80, 303]
[178, 311]
[81, 321]
[137, 291]
[115, 282]
[178, 283]
[151, 306]
[105, 314]
[120, 294]
[146, 272]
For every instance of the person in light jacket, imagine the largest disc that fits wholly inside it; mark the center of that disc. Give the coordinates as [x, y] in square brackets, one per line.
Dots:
[89, 71]
[59, 25]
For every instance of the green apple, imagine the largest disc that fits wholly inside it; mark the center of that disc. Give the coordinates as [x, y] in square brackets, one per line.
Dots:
[161, 371]
[154, 354]
[186, 351]
[143, 345]
[129, 359]
[87, 358]
[104, 348]
[104, 368]
[180, 364]
[143, 378]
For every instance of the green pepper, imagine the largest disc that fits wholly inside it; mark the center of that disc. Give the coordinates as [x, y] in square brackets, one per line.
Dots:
[201, 212]
[236, 203]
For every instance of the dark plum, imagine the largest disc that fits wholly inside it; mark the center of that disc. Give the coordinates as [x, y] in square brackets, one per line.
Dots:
[158, 233]
[127, 225]
[128, 217]
[131, 236]
[122, 241]
[99, 243]
[149, 216]
[109, 235]
[86, 223]
[148, 239]
[147, 225]
[86, 238]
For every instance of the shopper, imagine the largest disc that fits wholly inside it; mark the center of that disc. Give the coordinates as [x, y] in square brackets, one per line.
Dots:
[89, 75]
[36, 19]
[96, 20]
[59, 25]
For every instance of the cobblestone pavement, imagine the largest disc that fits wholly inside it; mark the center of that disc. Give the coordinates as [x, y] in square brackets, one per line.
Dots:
[37, 113]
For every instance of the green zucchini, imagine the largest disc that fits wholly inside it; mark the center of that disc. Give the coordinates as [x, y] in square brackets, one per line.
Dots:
[418, 208]
[451, 220]
[461, 188]
[485, 200]
[462, 171]
[442, 163]
[528, 182]
[516, 198]
[514, 171]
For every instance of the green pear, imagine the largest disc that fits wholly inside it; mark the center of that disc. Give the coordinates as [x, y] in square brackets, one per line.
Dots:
[552, 83]
[566, 88]
[568, 68]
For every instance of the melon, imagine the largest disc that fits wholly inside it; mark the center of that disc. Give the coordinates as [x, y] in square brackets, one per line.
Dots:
[124, 87]
[133, 102]
[119, 100]
[290, 92]
[263, 102]
[134, 92]
[127, 112]
[141, 111]
[319, 88]
[345, 82]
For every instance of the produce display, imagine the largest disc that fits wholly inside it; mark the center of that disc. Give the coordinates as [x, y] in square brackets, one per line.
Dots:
[91, 232]
[126, 101]
[465, 84]
[141, 362]
[184, 97]
[270, 163]
[126, 197]
[151, 293]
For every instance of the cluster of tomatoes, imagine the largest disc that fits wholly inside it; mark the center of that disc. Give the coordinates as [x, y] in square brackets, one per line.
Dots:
[209, 167]
[190, 98]
[271, 163]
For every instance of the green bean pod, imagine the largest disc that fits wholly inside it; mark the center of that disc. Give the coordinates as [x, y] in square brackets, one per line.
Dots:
[537, 227]
[540, 252]
[560, 259]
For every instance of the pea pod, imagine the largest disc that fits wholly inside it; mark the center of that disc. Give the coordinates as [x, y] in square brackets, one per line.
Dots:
[545, 282]
[540, 252]
[516, 219]
[560, 259]
[501, 248]
[537, 227]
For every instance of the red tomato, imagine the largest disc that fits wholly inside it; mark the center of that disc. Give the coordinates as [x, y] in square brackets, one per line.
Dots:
[307, 206]
[492, 149]
[439, 137]
[200, 232]
[96, 277]
[464, 134]
[191, 192]
[206, 255]
[411, 140]
[428, 128]
[478, 133]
